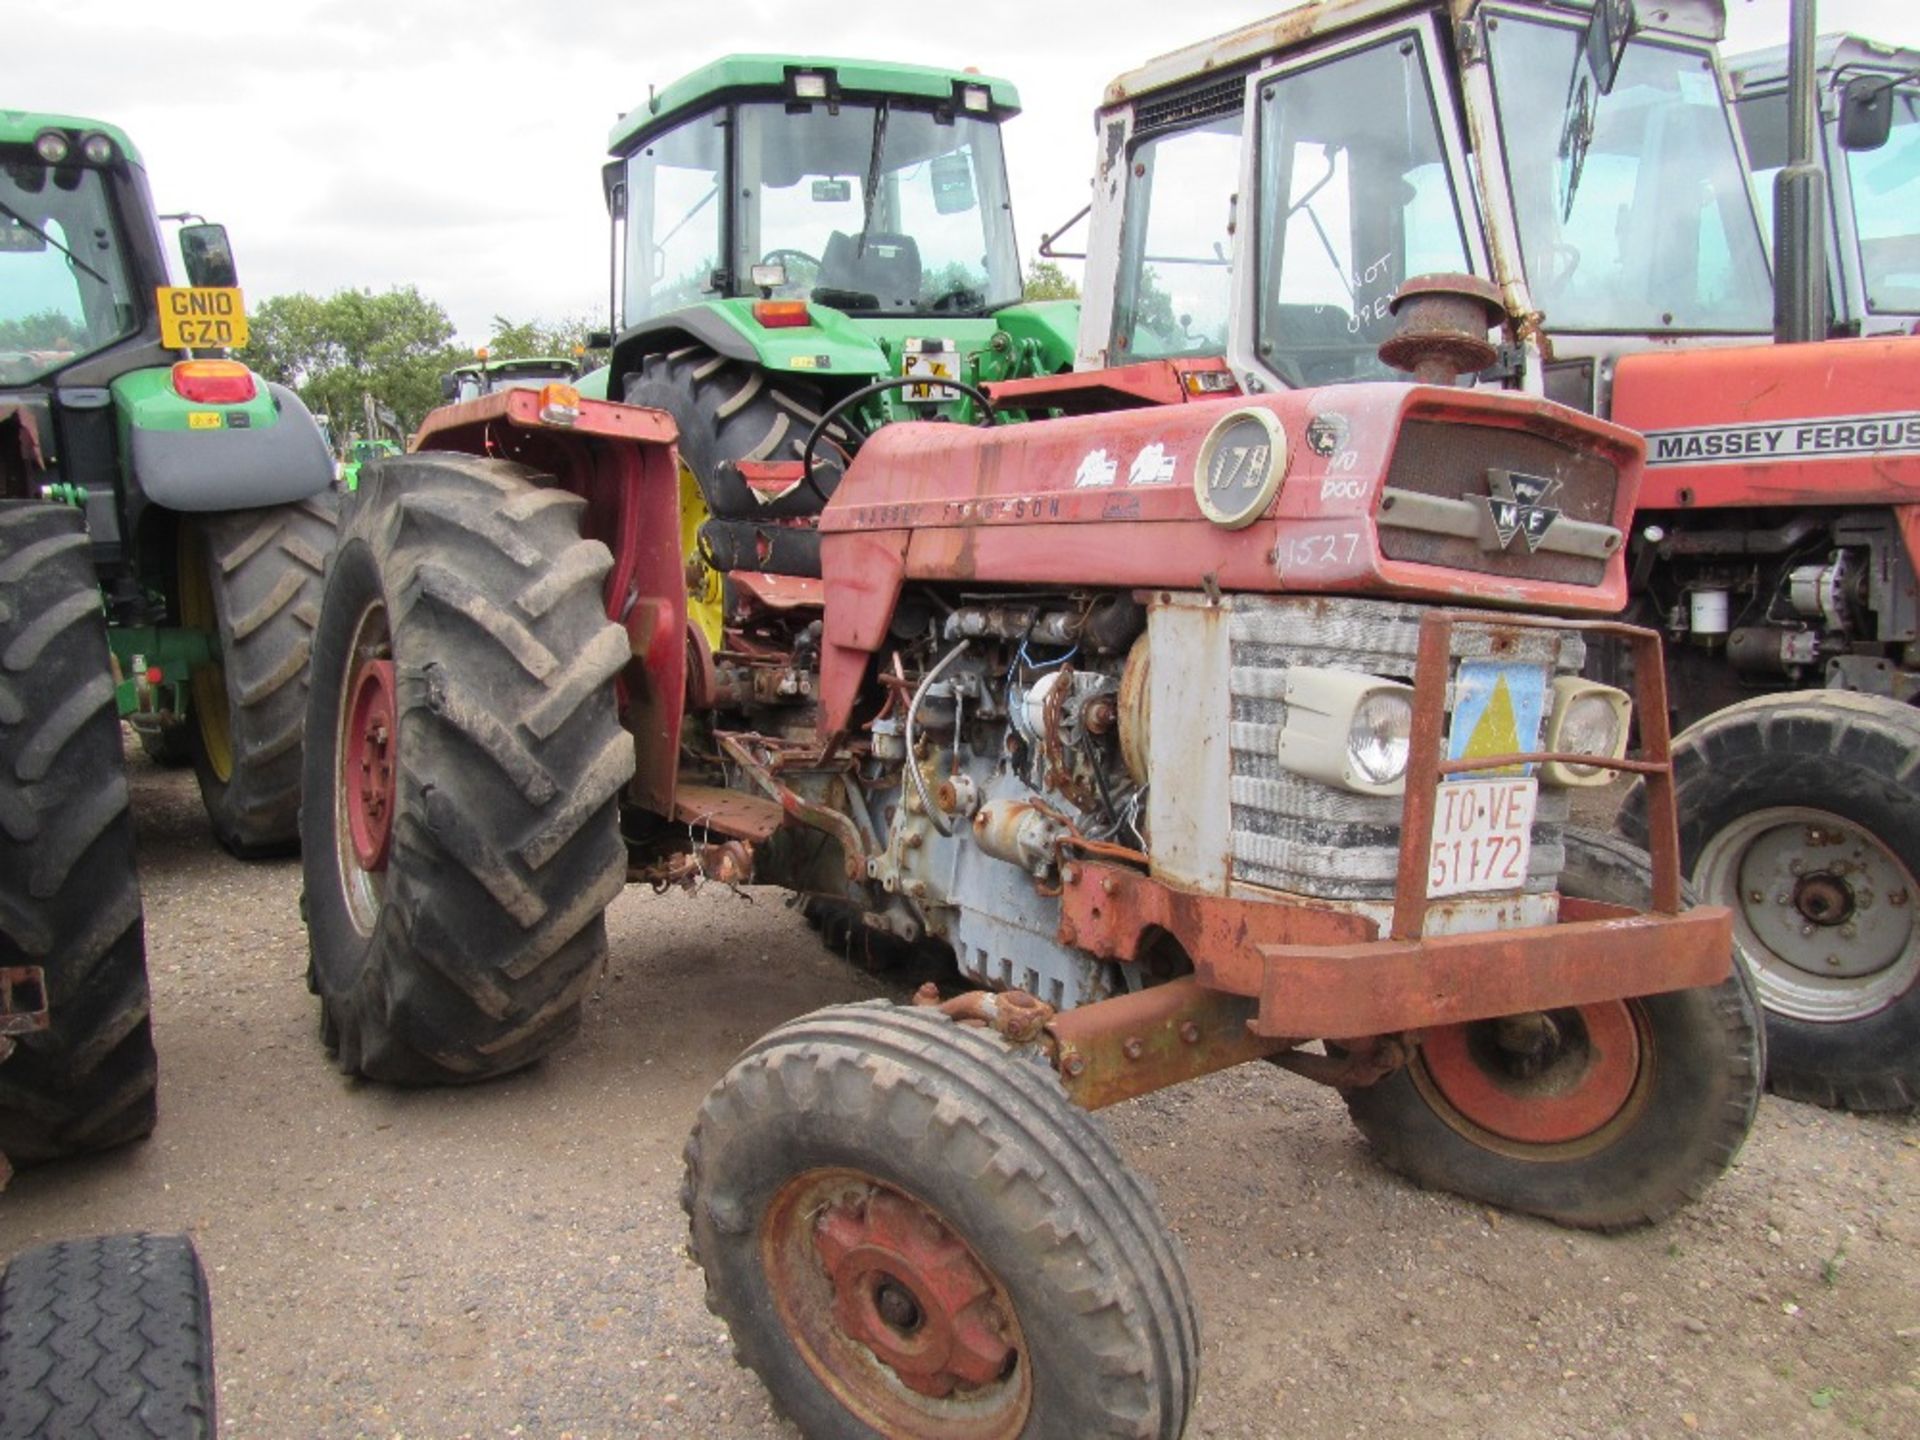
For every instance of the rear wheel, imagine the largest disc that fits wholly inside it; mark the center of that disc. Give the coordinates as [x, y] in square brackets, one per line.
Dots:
[1601, 1116]
[910, 1230]
[69, 891]
[252, 580]
[460, 838]
[1801, 814]
[109, 1338]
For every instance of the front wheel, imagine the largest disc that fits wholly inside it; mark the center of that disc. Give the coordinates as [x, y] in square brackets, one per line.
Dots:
[1801, 814]
[910, 1230]
[460, 837]
[1599, 1116]
[251, 580]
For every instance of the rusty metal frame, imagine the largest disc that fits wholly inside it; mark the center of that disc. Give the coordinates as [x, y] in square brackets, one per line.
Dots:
[1426, 768]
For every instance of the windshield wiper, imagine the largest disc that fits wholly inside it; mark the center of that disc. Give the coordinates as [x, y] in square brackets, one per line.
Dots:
[21, 220]
[873, 175]
[1576, 135]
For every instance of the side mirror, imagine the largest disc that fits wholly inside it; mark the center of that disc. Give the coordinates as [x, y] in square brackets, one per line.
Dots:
[1866, 112]
[208, 256]
[449, 387]
[599, 340]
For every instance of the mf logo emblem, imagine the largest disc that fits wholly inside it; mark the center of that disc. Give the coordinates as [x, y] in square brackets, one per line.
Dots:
[1516, 504]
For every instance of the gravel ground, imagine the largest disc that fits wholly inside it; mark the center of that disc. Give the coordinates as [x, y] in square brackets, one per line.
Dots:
[508, 1261]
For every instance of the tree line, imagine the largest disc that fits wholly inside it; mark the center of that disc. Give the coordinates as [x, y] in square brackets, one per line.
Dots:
[334, 350]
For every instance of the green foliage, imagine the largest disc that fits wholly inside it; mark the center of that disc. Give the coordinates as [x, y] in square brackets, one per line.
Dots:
[525, 339]
[43, 330]
[333, 350]
[1047, 281]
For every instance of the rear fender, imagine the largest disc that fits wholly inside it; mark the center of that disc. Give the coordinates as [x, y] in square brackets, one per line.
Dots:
[620, 459]
[831, 347]
[183, 455]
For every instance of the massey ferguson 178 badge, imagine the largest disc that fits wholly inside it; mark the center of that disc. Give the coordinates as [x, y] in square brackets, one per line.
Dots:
[1516, 504]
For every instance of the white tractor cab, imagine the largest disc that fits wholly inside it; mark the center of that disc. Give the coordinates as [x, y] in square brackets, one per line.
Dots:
[1397, 138]
[1874, 224]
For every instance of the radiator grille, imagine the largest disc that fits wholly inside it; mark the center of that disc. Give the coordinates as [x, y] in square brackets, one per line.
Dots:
[1302, 836]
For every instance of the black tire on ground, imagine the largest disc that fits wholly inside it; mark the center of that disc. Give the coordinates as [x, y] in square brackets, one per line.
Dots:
[729, 410]
[69, 891]
[842, 930]
[107, 1338]
[1801, 813]
[253, 577]
[170, 747]
[468, 951]
[907, 1147]
[1693, 1063]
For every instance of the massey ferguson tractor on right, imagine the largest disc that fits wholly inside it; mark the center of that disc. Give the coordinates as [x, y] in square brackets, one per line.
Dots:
[1585, 163]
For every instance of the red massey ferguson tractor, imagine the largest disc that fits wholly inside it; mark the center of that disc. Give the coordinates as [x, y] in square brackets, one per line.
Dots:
[1146, 720]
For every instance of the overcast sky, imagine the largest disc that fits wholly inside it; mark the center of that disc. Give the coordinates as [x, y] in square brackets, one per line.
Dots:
[456, 144]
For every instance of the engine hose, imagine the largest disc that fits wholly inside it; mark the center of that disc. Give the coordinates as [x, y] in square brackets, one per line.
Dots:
[867, 392]
[934, 817]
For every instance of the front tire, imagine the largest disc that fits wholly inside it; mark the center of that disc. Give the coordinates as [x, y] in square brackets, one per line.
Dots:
[460, 836]
[252, 579]
[910, 1230]
[69, 889]
[108, 1338]
[1801, 814]
[1602, 1117]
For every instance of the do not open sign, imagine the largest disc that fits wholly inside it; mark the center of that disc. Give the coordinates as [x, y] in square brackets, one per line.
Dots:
[201, 317]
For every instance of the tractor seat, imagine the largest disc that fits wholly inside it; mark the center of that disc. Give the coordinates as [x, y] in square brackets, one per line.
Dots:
[887, 267]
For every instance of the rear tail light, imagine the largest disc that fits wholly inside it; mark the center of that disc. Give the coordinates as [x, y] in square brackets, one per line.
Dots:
[559, 404]
[214, 382]
[781, 314]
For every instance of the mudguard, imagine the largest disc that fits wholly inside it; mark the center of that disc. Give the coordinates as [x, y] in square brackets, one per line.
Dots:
[188, 456]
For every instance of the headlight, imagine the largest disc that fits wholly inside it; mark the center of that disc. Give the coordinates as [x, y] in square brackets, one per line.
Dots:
[1588, 719]
[1347, 729]
[1381, 735]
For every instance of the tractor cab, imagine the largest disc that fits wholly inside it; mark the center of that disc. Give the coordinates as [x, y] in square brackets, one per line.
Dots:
[1870, 146]
[486, 376]
[1615, 216]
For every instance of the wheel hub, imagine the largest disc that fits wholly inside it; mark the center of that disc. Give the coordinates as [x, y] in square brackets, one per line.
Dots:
[1823, 911]
[367, 761]
[1540, 1079]
[909, 1290]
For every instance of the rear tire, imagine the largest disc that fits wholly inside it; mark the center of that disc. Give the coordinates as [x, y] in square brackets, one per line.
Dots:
[253, 579]
[69, 889]
[1801, 814]
[109, 1338]
[463, 946]
[868, 1166]
[730, 410]
[1642, 1104]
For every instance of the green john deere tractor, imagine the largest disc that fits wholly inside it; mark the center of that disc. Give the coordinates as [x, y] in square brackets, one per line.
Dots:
[164, 517]
[790, 230]
[484, 375]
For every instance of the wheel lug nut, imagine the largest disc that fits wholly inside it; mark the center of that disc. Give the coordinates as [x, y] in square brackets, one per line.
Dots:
[1756, 896]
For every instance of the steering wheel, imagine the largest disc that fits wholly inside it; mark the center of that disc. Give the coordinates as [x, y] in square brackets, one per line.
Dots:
[781, 255]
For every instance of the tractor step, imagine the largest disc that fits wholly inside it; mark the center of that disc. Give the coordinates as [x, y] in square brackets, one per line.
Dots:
[726, 812]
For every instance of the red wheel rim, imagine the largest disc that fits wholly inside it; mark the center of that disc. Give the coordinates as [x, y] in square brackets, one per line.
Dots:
[368, 786]
[893, 1311]
[1588, 1070]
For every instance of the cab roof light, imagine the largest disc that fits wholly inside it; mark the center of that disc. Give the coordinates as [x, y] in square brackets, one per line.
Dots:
[52, 146]
[214, 382]
[976, 99]
[782, 314]
[97, 149]
[804, 85]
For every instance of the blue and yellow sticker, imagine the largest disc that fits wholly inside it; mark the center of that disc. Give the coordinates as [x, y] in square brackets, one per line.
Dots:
[1498, 707]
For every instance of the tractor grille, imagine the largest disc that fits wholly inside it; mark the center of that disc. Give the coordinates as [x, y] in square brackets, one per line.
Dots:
[1451, 462]
[1302, 836]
